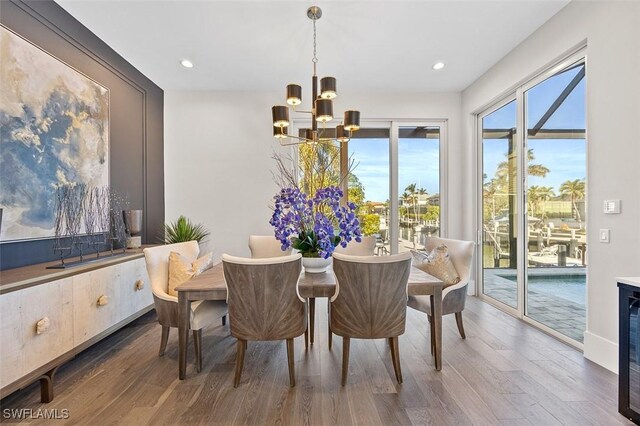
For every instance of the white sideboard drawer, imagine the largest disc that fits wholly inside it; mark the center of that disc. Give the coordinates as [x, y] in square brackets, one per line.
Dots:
[135, 287]
[96, 299]
[47, 322]
[11, 356]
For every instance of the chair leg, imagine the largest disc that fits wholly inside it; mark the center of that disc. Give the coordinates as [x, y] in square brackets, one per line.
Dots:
[432, 336]
[306, 338]
[242, 347]
[290, 360]
[197, 346]
[460, 325]
[224, 320]
[345, 359]
[312, 318]
[395, 357]
[329, 324]
[164, 339]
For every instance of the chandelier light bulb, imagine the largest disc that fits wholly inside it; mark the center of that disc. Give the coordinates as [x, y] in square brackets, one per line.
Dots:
[324, 110]
[280, 115]
[294, 94]
[352, 120]
[328, 88]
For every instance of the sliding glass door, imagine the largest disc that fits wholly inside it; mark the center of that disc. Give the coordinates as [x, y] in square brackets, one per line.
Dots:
[499, 204]
[532, 211]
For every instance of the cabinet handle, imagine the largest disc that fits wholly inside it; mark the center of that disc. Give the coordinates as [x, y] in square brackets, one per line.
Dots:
[139, 285]
[102, 300]
[42, 325]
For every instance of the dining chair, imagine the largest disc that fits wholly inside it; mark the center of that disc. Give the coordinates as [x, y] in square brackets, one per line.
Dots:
[366, 247]
[264, 303]
[370, 302]
[266, 246]
[453, 296]
[203, 312]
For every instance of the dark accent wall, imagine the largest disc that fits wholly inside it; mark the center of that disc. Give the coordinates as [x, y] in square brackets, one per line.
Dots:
[136, 115]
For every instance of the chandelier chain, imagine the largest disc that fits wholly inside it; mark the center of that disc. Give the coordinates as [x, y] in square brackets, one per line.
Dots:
[315, 57]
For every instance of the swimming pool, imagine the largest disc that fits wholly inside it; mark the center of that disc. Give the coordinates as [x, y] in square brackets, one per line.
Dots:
[570, 287]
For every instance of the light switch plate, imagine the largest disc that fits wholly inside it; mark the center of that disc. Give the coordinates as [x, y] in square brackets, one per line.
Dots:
[604, 235]
[611, 206]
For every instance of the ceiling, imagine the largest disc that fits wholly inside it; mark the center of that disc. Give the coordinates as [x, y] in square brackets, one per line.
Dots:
[263, 45]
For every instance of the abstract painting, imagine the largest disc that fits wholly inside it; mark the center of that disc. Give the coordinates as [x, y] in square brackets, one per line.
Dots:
[54, 130]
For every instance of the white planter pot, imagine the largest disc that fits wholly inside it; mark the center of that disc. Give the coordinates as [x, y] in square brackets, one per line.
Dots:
[316, 265]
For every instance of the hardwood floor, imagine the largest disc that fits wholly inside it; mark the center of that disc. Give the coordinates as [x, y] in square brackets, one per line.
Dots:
[505, 372]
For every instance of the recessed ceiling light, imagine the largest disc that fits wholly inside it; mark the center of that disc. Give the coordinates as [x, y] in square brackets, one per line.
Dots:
[186, 63]
[438, 65]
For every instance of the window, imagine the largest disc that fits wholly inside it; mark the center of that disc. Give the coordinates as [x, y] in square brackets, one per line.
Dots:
[395, 179]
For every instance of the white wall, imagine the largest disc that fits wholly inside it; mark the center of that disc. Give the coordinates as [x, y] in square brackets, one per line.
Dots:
[612, 31]
[218, 148]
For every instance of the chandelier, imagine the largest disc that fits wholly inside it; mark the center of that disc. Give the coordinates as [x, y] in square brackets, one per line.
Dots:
[321, 108]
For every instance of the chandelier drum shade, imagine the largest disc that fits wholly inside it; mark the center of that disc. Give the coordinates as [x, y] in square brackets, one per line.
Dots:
[321, 106]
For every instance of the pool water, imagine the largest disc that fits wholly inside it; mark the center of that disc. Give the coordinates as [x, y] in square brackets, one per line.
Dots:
[568, 287]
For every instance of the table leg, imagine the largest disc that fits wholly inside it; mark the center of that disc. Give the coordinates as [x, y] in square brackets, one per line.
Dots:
[183, 333]
[312, 318]
[437, 325]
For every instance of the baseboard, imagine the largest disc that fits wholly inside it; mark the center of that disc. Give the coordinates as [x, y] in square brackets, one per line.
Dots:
[601, 351]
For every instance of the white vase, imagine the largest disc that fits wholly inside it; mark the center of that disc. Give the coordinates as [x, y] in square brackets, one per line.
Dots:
[316, 265]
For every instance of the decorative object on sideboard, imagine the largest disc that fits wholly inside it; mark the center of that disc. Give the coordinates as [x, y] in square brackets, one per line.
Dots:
[183, 230]
[321, 106]
[55, 130]
[87, 218]
[133, 227]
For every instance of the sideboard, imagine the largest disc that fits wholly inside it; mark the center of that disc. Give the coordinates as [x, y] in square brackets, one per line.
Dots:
[47, 316]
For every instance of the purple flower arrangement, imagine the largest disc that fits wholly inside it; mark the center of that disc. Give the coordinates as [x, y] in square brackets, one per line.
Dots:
[314, 226]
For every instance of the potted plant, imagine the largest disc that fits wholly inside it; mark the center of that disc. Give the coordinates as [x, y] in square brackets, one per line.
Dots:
[183, 230]
[314, 226]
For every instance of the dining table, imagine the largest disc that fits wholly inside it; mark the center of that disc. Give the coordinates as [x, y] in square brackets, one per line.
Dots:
[211, 285]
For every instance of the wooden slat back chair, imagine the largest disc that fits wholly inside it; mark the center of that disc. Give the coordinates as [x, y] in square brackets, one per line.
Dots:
[203, 312]
[266, 246]
[453, 296]
[264, 303]
[370, 302]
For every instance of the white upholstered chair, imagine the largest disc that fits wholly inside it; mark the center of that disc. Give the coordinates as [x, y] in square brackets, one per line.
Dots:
[264, 303]
[453, 296]
[266, 246]
[203, 313]
[366, 247]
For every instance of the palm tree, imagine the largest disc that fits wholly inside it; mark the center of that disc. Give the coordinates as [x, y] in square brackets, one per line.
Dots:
[574, 189]
[410, 191]
[537, 170]
[420, 191]
[545, 193]
[536, 195]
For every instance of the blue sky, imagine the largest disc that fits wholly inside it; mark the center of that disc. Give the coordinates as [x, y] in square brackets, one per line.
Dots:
[565, 158]
[419, 158]
[418, 163]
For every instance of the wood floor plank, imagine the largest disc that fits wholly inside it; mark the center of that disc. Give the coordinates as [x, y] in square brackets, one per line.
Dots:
[505, 372]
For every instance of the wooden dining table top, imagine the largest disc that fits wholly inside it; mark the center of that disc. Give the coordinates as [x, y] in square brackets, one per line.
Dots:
[310, 284]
